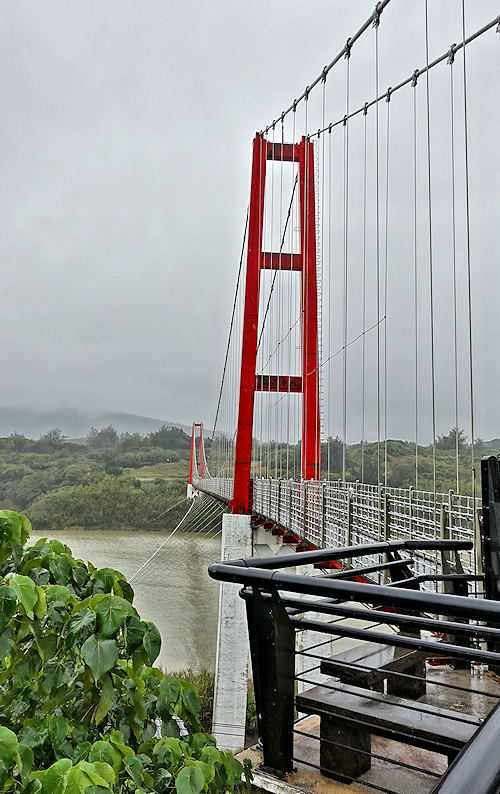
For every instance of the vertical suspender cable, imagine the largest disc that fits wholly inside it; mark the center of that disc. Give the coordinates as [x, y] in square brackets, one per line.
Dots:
[469, 280]
[346, 292]
[270, 329]
[415, 268]
[323, 169]
[231, 325]
[330, 296]
[386, 259]
[363, 351]
[377, 246]
[454, 264]
[280, 307]
[431, 268]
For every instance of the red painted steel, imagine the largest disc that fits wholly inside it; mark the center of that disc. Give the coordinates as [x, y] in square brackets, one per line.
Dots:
[243, 453]
[287, 152]
[281, 261]
[279, 383]
[310, 375]
[192, 456]
[200, 447]
[193, 451]
[305, 262]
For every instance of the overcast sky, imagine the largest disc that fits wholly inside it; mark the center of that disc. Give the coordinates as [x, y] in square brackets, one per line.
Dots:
[126, 144]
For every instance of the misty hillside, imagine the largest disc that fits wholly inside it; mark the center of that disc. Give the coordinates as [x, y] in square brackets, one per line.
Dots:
[74, 423]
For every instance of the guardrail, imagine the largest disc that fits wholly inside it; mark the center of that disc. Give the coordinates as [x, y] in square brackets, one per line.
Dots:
[302, 630]
[337, 513]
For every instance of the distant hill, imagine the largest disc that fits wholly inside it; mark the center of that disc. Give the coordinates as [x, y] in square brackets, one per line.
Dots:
[75, 423]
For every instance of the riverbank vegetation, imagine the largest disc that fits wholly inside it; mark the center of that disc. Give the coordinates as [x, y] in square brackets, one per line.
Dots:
[112, 481]
[80, 701]
[407, 465]
[104, 483]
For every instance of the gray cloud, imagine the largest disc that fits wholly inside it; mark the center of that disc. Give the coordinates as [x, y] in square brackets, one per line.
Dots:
[126, 142]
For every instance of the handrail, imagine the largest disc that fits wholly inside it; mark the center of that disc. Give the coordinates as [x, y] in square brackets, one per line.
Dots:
[345, 552]
[476, 768]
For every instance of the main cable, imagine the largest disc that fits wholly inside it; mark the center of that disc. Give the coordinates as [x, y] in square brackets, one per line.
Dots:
[232, 322]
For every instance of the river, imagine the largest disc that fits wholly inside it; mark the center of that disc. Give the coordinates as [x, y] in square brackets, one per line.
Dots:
[174, 590]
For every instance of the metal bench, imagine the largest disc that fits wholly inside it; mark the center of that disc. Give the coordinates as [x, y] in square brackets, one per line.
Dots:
[367, 666]
[350, 715]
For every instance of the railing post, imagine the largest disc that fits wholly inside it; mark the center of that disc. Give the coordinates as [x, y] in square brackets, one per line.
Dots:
[490, 489]
[323, 515]
[380, 510]
[303, 490]
[349, 519]
[387, 527]
[349, 525]
[272, 650]
[410, 511]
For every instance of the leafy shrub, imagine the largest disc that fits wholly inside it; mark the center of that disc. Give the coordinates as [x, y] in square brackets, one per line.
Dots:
[109, 503]
[204, 681]
[80, 703]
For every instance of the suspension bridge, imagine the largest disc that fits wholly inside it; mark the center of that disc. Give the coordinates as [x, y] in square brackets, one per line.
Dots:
[358, 337]
[353, 319]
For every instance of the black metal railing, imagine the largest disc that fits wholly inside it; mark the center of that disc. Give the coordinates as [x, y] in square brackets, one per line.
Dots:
[392, 686]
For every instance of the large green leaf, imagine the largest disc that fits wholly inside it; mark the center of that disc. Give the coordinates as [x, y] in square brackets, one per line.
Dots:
[57, 592]
[8, 605]
[6, 642]
[25, 590]
[58, 729]
[82, 776]
[81, 626]
[134, 768]
[207, 770]
[105, 701]
[111, 613]
[54, 779]
[100, 655]
[152, 642]
[26, 756]
[168, 749]
[14, 531]
[101, 768]
[189, 781]
[170, 687]
[104, 752]
[61, 569]
[9, 750]
[135, 631]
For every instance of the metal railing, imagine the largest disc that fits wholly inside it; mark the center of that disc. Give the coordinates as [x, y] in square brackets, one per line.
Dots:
[302, 630]
[338, 513]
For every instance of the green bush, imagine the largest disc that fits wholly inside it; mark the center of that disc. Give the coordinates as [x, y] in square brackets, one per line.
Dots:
[80, 702]
[110, 503]
[204, 681]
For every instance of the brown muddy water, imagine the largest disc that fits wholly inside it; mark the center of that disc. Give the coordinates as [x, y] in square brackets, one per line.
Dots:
[174, 590]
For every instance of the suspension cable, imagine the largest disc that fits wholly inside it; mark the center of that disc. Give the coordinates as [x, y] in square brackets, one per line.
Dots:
[454, 264]
[373, 19]
[232, 321]
[409, 80]
[431, 264]
[469, 279]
